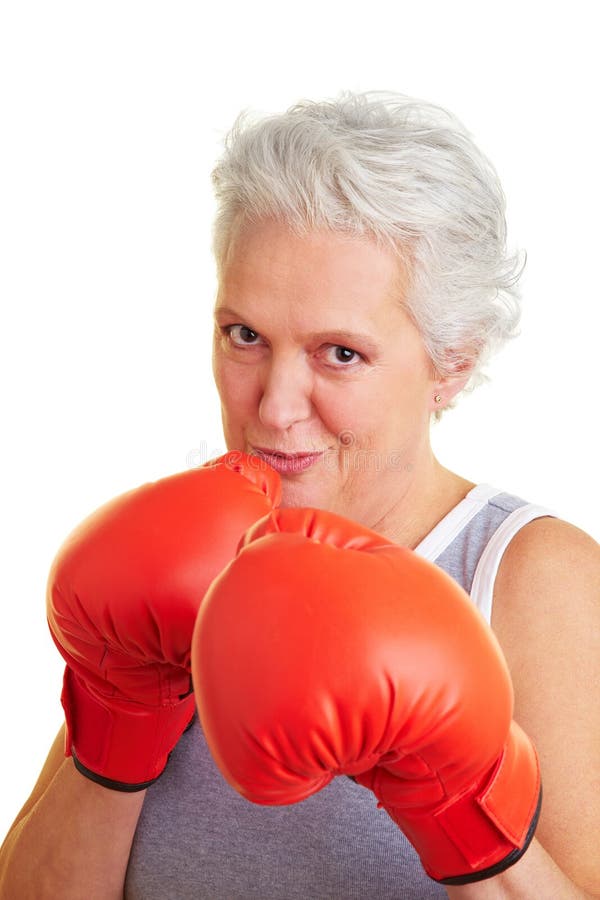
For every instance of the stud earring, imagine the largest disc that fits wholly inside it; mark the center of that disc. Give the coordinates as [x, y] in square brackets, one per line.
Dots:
[437, 398]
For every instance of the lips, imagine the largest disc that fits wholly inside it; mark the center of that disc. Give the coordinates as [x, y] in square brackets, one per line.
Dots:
[288, 463]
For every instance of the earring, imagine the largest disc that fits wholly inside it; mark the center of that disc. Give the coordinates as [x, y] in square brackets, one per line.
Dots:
[437, 398]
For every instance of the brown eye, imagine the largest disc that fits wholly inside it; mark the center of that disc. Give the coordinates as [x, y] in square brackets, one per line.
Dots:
[247, 335]
[345, 354]
[241, 334]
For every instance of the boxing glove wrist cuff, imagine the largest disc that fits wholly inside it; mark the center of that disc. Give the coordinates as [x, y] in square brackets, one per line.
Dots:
[480, 831]
[513, 857]
[109, 782]
[123, 748]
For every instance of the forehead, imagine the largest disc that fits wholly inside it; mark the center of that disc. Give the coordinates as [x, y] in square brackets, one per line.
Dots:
[267, 263]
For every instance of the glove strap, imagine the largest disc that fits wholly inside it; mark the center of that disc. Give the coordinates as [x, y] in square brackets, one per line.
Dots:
[125, 747]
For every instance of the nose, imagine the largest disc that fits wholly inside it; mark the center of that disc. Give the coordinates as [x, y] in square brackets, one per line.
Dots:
[286, 393]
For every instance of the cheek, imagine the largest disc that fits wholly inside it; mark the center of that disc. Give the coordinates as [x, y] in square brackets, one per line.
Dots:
[376, 413]
[237, 387]
[220, 374]
[349, 412]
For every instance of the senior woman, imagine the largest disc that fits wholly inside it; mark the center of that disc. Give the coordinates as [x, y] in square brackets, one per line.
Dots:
[363, 283]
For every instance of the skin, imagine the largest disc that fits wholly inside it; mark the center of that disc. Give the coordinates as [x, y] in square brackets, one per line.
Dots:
[71, 839]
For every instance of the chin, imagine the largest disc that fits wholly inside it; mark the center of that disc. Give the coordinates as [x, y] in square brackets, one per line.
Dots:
[295, 494]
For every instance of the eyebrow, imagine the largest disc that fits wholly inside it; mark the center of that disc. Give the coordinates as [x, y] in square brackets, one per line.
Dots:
[340, 336]
[345, 338]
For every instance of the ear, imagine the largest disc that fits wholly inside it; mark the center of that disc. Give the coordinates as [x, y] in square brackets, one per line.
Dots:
[445, 388]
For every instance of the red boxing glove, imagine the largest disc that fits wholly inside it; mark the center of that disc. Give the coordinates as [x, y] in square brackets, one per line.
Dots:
[123, 595]
[322, 650]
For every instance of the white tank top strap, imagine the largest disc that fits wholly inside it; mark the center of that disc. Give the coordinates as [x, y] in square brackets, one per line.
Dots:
[482, 589]
[442, 535]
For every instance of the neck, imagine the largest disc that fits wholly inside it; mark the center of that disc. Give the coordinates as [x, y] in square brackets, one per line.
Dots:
[428, 494]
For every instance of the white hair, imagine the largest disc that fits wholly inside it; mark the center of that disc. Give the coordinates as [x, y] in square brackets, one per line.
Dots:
[404, 172]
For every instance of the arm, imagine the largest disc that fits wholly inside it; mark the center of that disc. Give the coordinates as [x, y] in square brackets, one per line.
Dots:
[71, 839]
[547, 619]
[323, 650]
[123, 595]
[535, 875]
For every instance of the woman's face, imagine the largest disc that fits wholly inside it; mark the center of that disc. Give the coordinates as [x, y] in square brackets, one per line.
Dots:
[320, 371]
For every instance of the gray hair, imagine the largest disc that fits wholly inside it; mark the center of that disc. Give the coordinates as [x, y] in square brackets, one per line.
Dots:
[404, 172]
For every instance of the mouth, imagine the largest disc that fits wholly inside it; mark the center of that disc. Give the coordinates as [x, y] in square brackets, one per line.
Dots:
[287, 463]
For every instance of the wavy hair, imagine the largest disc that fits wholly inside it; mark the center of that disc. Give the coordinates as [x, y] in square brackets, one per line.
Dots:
[404, 172]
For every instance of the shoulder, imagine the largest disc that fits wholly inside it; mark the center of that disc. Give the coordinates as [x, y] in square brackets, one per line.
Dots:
[546, 616]
[545, 562]
[557, 544]
[547, 594]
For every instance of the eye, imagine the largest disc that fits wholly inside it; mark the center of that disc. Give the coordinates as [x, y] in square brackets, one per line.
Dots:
[241, 335]
[344, 355]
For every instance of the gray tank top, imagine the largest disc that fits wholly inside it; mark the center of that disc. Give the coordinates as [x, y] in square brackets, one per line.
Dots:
[196, 838]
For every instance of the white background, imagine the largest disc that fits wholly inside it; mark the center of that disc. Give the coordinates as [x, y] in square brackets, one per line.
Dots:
[111, 116]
